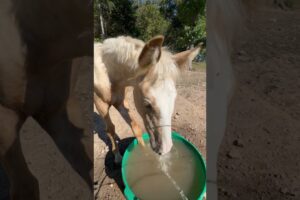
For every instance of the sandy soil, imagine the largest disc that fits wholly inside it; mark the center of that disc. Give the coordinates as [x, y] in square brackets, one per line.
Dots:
[189, 119]
[57, 180]
[259, 157]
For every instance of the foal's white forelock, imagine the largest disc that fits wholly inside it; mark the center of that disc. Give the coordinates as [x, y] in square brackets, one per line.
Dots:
[164, 93]
[166, 67]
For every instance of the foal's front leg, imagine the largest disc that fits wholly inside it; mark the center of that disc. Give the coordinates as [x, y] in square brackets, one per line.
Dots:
[23, 184]
[103, 110]
[129, 117]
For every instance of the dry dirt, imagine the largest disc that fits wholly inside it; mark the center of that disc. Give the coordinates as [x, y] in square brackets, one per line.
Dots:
[189, 119]
[259, 157]
[259, 154]
[57, 180]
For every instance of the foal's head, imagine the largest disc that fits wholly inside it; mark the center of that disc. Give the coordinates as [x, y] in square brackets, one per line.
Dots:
[156, 92]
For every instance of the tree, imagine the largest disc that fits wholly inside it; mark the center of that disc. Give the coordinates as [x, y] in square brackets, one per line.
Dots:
[150, 21]
[188, 23]
[182, 22]
[188, 36]
[122, 19]
[111, 20]
[102, 11]
[189, 11]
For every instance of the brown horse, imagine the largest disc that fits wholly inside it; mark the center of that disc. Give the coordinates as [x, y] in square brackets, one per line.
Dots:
[225, 21]
[152, 70]
[38, 41]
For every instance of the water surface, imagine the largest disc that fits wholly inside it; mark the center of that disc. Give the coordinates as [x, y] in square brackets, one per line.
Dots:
[169, 177]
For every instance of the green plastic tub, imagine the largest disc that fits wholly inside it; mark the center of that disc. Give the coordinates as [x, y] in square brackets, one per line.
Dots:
[129, 193]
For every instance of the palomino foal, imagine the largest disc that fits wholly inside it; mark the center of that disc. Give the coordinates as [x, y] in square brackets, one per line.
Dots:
[152, 71]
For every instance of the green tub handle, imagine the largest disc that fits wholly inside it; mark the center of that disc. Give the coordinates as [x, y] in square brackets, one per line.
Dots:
[129, 194]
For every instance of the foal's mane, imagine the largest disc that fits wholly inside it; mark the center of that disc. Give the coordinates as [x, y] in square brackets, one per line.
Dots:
[165, 68]
[125, 50]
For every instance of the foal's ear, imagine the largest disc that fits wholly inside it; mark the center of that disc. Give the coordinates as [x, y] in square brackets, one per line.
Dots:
[184, 59]
[151, 52]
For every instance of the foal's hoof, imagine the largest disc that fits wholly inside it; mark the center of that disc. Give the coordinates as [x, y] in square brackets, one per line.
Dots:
[118, 158]
[115, 165]
[141, 141]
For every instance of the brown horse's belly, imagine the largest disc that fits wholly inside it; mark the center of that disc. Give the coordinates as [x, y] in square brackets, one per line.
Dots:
[12, 94]
[12, 59]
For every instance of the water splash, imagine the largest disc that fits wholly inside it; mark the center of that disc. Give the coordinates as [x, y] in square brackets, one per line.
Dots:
[164, 166]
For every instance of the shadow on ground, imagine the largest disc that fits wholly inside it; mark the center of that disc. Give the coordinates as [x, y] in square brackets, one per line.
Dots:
[4, 185]
[112, 170]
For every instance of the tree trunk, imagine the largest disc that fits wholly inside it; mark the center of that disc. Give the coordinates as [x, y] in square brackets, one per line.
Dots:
[101, 23]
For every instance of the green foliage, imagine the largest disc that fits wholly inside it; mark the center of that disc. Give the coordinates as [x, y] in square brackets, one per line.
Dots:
[189, 11]
[118, 17]
[182, 22]
[122, 19]
[188, 24]
[184, 37]
[150, 21]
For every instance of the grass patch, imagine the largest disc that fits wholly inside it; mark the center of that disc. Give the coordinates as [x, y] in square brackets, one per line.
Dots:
[97, 40]
[199, 66]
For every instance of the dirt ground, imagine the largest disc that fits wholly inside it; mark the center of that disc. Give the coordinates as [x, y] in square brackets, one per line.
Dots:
[259, 157]
[189, 119]
[262, 140]
[57, 180]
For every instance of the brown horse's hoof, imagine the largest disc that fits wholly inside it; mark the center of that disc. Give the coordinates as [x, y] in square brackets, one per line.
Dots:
[29, 191]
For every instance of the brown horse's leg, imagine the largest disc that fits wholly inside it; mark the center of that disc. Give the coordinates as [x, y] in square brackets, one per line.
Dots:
[103, 109]
[66, 127]
[23, 184]
[129, 117]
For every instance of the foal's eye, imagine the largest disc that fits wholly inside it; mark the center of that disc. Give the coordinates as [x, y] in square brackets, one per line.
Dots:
[148, 106]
